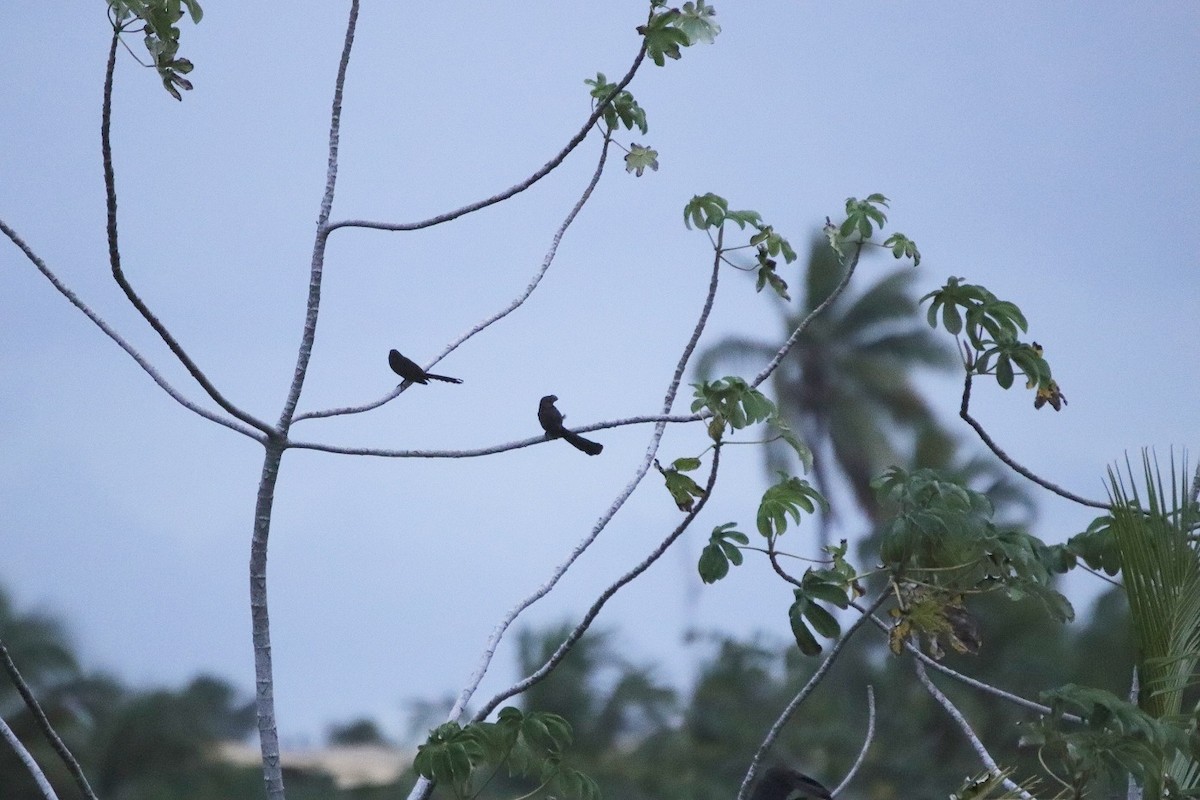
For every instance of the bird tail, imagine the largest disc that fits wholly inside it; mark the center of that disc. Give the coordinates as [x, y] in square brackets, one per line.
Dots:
[445, 378]
[580, 443]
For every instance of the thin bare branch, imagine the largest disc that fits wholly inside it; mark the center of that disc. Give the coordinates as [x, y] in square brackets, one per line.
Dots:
[791, 708]
[512, 190]
[974, 683]
[317, 267]
[594, 611]
[39, 777]
[111, 333]
[661, 419]
[866, 745]
[114, 255]
[44, 725]
[976, 744]
[1003, 456]
[502, 313]
[851, 264]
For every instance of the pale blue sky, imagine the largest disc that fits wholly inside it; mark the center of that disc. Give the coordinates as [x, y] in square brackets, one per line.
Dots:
[1048, 151]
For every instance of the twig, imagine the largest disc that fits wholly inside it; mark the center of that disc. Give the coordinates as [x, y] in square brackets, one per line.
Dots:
[114, 253]
[569, 642]
[501, 314]
[43, 723]
[1003, 456]
[317, 267]
[974, 683]
[851, 264]
[39, 777]
[111, 333]
[976, 744]
[512, 190]
[662, 419]
[779, 570]
[801, 696]
[862, 753]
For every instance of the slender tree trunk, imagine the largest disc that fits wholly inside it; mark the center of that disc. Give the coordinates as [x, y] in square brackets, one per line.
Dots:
[264, 680]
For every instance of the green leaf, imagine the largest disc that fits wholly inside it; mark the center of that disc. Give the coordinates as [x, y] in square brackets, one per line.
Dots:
[733, 403]
[663, 36]
[804, 638]
[622, 110]
[824, 623]
[705, 211]
[785, 499]
[695, 19]
[684, 491]
[639, 158]
[721, 551]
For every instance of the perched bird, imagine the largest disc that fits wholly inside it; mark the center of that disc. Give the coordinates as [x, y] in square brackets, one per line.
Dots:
[407, 369]
[780, 783]
[552, 423]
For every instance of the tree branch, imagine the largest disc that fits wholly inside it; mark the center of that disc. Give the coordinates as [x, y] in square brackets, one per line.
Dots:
[512, 190]
[39, 777]
[111, 333]
[565, 647]
[974, 683]
[44, 725]
[317, 268]
[1003, 456]
[862, 753]
[851, 264]
[504, 312]
[114, 253]
[976, 744]
[661, 419]
[800, 697]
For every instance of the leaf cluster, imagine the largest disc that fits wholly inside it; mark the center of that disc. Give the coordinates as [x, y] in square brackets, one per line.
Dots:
[708, 211]
[162, 35]
[942, 535]
[530, 744]
[669, 29]
[1117, 738]
[733, 404]
[684, 490]
[992, 327]
[621, 110]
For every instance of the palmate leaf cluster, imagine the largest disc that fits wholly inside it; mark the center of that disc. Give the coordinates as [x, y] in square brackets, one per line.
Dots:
[161, 35]
[942, 535]
[992, 328]
[529, 745]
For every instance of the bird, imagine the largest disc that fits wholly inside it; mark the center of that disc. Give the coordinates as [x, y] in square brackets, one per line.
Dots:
[552, 423]
[407, 369]
[780, 783]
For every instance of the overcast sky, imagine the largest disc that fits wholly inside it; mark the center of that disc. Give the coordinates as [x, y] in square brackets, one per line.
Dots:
[1050, 152]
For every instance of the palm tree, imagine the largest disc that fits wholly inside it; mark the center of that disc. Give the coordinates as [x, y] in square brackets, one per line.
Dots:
[846, 386]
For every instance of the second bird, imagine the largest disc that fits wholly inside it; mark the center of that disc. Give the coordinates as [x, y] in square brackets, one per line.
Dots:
[552, 423]
[408, 369]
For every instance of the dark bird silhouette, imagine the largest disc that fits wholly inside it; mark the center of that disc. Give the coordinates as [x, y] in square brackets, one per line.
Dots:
[407, 369]
[780, 783]
[552, 423]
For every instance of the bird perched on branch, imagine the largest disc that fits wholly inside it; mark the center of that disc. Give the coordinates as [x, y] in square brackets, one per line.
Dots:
[552, 423]
[407, 369]
[780, 783]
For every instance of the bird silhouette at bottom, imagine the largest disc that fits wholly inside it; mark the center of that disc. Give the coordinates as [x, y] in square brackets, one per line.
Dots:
[552, 423]
[780, 783]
